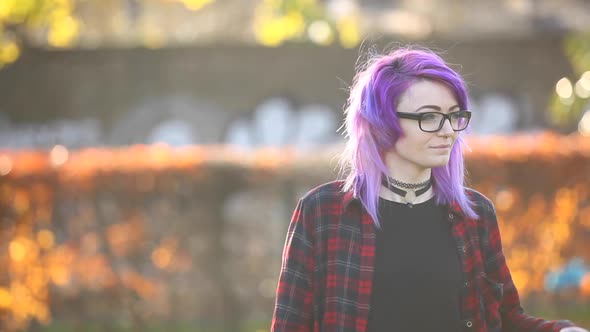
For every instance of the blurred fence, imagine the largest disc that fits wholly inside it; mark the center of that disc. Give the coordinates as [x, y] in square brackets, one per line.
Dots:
[151, 236]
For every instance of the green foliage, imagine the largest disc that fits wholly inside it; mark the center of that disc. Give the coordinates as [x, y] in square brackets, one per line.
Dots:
[19, 19]
[570, 101]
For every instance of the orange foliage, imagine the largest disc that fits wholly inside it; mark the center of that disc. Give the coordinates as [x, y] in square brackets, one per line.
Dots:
[539, 184]
[585, 285]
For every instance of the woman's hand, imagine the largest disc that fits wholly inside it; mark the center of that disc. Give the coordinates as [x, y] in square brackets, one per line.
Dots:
[573, 329]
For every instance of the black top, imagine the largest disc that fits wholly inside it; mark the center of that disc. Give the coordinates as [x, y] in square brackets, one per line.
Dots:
[418, 276]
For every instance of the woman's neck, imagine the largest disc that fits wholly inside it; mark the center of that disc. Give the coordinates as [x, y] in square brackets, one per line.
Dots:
[404, 170]
[410, 176]
[407, 175]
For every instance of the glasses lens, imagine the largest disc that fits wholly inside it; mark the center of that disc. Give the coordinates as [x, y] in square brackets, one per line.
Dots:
[459, 120]
[430, 121]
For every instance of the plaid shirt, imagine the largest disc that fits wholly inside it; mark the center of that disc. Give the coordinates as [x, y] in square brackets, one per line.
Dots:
[328, 259]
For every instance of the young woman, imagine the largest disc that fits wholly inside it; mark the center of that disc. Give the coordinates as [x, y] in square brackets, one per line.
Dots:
[400, 244]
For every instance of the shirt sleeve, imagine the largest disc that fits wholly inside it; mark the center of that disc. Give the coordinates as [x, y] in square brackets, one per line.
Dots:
[513, 316]
[293, 305]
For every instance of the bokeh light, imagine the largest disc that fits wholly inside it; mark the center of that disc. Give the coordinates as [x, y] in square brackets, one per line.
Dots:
[46, 239]
[584, 124]
[59, 155]
[5, 165]
[320, 32]
[582, 86]
[563, 88]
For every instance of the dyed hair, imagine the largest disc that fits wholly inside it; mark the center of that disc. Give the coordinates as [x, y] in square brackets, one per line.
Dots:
[372, 126]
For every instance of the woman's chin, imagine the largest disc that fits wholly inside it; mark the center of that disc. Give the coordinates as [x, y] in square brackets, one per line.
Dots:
[438, 162]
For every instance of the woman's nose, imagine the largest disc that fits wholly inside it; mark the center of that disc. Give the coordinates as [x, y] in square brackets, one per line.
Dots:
[446, 128]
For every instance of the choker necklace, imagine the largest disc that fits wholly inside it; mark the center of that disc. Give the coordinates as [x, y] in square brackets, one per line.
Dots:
[406, 185]
[410, 195]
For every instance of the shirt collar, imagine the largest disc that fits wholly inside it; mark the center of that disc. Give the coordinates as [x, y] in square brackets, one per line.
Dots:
[349, 198]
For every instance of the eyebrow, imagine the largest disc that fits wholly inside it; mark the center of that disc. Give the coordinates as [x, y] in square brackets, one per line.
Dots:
[435, 107]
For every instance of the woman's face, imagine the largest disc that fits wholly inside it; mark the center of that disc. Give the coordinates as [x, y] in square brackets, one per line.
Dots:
[418, 149]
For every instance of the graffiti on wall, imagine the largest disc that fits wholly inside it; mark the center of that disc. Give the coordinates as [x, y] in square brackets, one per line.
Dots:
[275, 122]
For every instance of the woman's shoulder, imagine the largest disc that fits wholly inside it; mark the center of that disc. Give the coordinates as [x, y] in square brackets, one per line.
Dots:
[483, 205]
[325, 191]
[476, 196]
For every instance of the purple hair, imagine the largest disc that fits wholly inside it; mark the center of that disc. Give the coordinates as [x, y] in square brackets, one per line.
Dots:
[372, 126]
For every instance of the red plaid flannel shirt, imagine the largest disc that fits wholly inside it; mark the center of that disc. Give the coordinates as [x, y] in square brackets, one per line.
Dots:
[328, 259]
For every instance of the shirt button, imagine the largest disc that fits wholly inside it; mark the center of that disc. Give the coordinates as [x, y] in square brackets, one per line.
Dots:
[468, 324]
[451, 217]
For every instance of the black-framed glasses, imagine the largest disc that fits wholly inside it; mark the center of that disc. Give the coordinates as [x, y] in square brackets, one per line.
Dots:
[431, 122]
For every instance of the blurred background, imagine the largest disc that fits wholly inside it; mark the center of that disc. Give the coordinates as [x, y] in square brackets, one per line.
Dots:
[152, 151]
